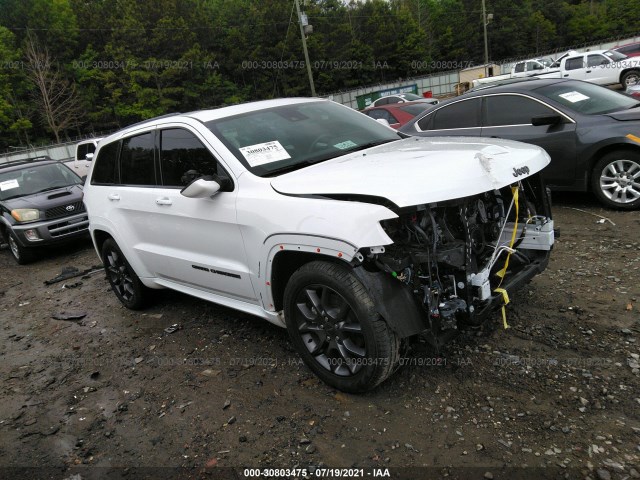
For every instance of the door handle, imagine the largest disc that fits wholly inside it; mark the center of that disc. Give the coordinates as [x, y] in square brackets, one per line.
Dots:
[566, 75]
[113, 196]
[588, 71]
[163, 201]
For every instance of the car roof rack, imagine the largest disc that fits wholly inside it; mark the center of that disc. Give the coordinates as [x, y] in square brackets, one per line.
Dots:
[24, 161]
[507, 81]
[142, 122]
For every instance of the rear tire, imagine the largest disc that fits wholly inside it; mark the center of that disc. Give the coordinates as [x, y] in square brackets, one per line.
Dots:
[630, 78]
[334, 326]
[616, 179]
[20, 254]
[124, 281]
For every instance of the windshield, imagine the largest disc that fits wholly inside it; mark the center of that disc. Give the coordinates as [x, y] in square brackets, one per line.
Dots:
[615, 56]
[35, 179]
[275, 140]
[587, 98]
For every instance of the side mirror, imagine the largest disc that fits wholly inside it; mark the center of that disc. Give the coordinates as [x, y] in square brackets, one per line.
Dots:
[546, 120]
[383, 121]
[88, 157]
[201, 188]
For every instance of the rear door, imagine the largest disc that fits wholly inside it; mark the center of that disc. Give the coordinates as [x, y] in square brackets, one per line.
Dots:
[509, 116]
[132, 201]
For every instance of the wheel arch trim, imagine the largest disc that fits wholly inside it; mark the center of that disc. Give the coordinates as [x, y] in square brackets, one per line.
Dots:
[604, 148]
[304, 248]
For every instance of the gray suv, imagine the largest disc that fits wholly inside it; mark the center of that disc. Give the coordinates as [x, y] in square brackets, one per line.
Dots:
[41, 204]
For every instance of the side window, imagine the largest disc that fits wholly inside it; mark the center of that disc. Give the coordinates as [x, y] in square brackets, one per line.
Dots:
[512, 110]
[595, 60]
[395, 100]
[464, 114]
[519, 67]
[85, 149]
[534, 66]
[426, 122]
[574, 63]
[382, 101]
[105, 170]
[184, 158]
[376, 113]
[137, 165]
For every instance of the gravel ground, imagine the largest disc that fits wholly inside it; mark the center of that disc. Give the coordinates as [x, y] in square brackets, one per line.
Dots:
[557, 395]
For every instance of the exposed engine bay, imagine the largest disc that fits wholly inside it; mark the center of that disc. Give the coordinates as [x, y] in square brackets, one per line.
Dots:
[459, 257]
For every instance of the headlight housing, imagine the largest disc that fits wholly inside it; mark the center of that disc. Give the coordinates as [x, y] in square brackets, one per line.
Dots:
[25, 214]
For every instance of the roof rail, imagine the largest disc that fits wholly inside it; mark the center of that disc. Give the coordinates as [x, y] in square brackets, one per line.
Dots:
[152, 119]
[41, 158]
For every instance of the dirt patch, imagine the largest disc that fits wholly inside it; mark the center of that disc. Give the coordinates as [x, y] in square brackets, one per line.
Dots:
[560, 389]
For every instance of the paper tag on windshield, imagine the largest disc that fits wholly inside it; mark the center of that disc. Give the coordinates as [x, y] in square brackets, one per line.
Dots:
[8, 185]
[262, 153]
[574, 97]
[345, 145]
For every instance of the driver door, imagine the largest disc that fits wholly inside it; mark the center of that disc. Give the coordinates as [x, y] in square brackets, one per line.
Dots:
[201, 243]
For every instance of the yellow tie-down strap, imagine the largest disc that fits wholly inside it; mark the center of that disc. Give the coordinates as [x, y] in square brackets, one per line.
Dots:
[501, 273]
[505, 297]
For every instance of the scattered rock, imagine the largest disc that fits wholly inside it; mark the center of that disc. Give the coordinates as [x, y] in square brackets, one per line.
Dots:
[603, 474]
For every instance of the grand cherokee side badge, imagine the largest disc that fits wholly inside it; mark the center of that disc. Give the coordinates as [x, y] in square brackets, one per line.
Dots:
[520, 171]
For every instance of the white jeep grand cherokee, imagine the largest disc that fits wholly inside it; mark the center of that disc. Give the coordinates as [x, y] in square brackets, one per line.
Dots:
[315, 217]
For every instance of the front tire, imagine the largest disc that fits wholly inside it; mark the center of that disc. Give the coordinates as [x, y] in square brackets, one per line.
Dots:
[124, 281]
[334, 326]
[616, 180]
[20, 254]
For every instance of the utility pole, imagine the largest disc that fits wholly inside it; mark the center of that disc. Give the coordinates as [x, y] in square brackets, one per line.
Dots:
[486, 43]
[306, 53]
[486, 18]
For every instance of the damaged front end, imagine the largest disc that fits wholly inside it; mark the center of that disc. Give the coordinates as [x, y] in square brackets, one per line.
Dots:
[453, 263]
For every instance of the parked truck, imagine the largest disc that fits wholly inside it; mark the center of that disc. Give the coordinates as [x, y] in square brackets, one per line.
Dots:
[603, 67]
[83, 156]
[525, 68]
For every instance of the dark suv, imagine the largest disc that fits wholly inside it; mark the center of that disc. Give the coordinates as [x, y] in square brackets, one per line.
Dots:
[41, 204]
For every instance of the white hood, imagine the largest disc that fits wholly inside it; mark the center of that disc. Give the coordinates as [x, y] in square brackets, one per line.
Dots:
[418, 170]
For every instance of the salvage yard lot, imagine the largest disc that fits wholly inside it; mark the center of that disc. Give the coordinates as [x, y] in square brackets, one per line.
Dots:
[559, 389]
